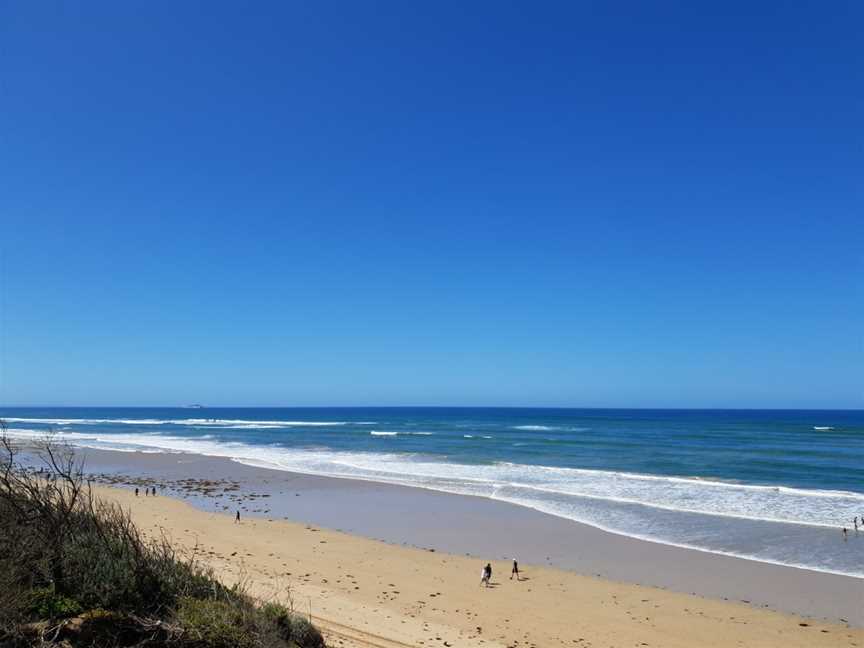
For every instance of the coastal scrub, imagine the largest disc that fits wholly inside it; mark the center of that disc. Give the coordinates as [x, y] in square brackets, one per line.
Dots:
[76, 571]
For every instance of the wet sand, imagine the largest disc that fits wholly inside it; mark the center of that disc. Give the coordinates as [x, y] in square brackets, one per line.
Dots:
[483, 529]
[366, 593]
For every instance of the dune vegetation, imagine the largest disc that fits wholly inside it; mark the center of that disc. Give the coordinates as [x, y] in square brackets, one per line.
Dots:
[76, 571]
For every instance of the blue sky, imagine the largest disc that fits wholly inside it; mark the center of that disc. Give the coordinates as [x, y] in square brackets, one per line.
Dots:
[574, 204]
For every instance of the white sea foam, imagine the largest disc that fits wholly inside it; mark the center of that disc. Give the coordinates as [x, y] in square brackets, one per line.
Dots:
[804, 506]
[194, 422]
[673, 510]
[399, 433]
[822, 428]
[59, 421]
[550, 428]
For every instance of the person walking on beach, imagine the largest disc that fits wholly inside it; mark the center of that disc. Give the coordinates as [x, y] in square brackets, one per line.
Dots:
[136, 492]
[487, 574]
[515, 570]
[844, 534]
[237, 518]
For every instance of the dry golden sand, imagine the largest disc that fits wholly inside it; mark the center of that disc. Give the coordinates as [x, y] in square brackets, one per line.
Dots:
[368, 593]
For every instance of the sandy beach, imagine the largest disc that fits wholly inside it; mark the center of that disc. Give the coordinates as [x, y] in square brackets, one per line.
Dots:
[364, 592]
[418, 587]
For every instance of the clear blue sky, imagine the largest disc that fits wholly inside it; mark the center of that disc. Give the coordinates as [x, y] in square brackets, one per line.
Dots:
[584, 203]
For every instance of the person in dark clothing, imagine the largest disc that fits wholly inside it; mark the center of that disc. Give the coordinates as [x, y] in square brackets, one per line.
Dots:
[515, 570]
[237, 518]
[136, 492]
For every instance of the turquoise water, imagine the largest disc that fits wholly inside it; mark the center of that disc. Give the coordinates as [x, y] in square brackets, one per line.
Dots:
[770, 485]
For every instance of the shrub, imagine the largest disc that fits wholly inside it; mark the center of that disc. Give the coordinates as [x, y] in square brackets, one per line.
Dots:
[293, 627]
[219, 624]
[280, 617]
[44, 603]
[304, 634]
[56, 538]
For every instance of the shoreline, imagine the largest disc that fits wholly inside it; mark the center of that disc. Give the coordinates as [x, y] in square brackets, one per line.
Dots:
[479, 527]
[627, 477]
[600, 528]
[366, 594]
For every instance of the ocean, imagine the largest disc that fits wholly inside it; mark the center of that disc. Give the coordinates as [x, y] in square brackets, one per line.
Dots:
[769, 485]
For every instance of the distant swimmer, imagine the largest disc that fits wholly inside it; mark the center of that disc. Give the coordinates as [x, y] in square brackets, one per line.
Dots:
[845, 533]
[515, 570]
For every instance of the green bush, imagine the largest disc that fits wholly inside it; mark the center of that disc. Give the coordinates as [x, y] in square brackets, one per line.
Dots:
[44, 603]
[292, 627]
[221, 624]
[280, 617]
[304, 634]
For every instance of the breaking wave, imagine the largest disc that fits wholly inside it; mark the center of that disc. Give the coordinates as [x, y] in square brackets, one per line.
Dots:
[753, 521]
